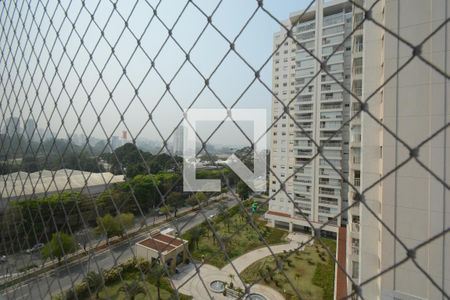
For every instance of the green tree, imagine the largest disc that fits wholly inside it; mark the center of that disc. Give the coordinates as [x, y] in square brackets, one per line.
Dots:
[132, 289]
[195, 235]
[166, 210]
[60, 245]
[114, 226]
[225, 215]
[243, 190]
[196, 199]
[176, 201]
[95, 282]
[156, 273]
[125, 220]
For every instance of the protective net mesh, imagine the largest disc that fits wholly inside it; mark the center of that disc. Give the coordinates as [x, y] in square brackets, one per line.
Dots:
[89, 213]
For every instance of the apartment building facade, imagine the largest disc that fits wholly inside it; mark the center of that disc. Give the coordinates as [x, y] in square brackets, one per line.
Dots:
[320, 107]
[405, 208]
[408, 207]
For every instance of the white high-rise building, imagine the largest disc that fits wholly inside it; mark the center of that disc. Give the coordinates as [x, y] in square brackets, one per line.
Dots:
[405, 208]
[321, 108]
[411, 205]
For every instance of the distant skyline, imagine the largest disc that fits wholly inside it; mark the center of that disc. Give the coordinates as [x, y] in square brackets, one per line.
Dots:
[228, 82]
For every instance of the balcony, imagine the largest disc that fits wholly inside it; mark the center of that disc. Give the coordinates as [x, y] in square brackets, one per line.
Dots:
[303, 108]
[358, 48]
[325, 106]
[307, 153]
[355, 227]
[328, 172]
[357, 182]
[329, 192]
[306, 27]
[333, 135]
[356, 159]
[329, 182]
[357, 69]
[357, 91]
[332, 20]
[325, 116]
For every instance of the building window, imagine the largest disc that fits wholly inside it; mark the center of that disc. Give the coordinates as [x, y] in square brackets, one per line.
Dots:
[355, 269]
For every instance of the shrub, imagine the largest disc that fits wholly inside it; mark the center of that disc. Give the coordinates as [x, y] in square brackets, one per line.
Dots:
[112, 275]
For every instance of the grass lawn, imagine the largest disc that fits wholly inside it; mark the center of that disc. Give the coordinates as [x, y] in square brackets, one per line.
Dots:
[312, 276]
[112, 292]
[245, 240]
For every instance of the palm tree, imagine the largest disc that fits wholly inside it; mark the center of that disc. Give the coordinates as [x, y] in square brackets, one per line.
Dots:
[225, 215]
[95, 282]
[132, 289]
[196, 233]
[156, 273]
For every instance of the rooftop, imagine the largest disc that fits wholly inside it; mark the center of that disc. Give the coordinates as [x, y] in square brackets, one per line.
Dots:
[162, 242]
[22, 184]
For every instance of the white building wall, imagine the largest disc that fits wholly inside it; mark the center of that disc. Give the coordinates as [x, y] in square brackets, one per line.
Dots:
[321, 103]
[413, 105]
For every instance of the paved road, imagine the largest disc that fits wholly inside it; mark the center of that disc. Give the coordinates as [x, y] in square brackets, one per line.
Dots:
[62, 278]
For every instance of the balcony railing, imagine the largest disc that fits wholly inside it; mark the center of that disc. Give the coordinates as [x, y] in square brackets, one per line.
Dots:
[332, 193]
[358, 69]
[357, 159]
[328, 21]
[358, 47]
[356, 182]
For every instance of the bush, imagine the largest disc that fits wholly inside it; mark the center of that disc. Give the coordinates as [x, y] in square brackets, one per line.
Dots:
[112, 275]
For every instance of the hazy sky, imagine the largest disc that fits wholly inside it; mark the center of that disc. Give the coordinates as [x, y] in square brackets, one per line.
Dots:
[228, 82]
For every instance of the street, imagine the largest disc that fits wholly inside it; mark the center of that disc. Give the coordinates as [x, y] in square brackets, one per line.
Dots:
[64, 277]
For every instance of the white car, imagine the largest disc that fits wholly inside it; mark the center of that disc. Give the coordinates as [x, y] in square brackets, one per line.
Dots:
[35, 248]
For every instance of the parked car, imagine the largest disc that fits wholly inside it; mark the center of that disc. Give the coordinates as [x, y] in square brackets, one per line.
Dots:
[35, 248]
[3, 259]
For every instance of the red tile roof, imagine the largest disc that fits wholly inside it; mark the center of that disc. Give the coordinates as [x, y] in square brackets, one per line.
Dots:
[168, 239]
[162, 242]
[156, 245]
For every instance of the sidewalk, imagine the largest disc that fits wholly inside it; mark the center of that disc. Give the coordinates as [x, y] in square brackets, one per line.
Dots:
[198, 284]
[99, 245]
[243, 262]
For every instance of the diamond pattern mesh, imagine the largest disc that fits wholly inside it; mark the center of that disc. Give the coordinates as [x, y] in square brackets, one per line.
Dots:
[75, 73]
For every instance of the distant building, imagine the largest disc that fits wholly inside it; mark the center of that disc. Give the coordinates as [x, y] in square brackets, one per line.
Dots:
[30, 130]
[163, 248]
[320, 109]
[178, 141]
[115, 142]
[12, 127]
